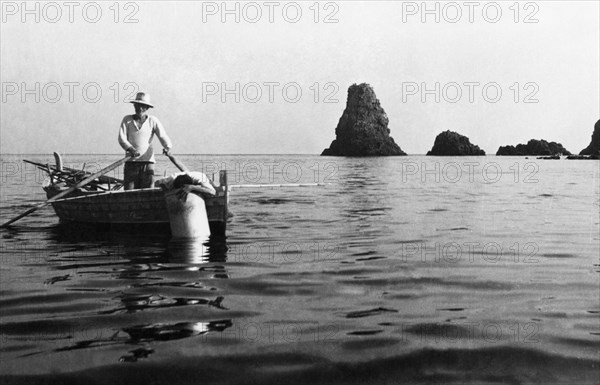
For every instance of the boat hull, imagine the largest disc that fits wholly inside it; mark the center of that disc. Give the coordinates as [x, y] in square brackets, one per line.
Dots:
[130, 209]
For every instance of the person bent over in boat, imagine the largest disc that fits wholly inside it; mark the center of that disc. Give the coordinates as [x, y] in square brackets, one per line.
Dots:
[188, 182]
[135, 136]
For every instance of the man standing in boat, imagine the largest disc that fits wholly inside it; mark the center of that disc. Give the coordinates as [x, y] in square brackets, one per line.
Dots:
[135, 136]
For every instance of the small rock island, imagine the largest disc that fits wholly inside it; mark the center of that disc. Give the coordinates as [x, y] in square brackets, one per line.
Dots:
[594, 147]
[533, 148]
[450, 143]
[363, 128]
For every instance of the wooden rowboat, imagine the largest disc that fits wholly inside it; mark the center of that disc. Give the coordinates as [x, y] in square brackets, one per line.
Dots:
[80, 197]
[137, 209]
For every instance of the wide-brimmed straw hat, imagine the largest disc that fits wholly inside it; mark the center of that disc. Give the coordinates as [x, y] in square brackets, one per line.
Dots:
[142, 98]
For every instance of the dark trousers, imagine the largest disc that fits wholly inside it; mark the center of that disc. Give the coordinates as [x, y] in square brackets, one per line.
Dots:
[138, 175]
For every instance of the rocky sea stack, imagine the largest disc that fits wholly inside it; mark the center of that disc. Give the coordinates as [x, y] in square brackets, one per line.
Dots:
[363, 128]
[450, 143]
[594, 147]
[534, 147]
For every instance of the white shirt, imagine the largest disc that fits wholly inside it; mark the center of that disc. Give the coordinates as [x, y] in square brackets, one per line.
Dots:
[132, 135]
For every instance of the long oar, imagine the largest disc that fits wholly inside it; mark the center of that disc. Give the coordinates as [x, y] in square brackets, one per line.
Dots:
[69, 190]
[234, 186]
[177, 163]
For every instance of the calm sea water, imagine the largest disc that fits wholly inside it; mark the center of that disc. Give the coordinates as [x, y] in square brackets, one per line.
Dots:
[399, 270]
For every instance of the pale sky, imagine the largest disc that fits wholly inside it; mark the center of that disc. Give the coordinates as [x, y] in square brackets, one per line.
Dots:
[182, 54]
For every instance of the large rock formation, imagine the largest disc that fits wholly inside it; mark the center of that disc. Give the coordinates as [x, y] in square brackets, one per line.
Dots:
[450, 143]
[363, 128]
[594, 147]
[534, 147]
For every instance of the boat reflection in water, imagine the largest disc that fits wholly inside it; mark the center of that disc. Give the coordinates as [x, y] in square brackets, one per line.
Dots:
[190, 250]
[151, 282]
[140, 243]
[197, 251]
[168, 332]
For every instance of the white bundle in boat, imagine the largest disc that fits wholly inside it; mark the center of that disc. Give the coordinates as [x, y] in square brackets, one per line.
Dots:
[184, 195]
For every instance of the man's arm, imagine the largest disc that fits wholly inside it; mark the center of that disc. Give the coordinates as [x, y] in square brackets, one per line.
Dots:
[201, 185]
[123, 139]
[123, 135]
[160, 132]
[202, 188]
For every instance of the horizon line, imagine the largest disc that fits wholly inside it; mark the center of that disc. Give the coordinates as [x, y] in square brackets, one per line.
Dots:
[74, 153]
[314, 155]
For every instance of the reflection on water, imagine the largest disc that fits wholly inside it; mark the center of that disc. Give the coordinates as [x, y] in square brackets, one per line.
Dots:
[198, 250]
[178, 250]
[166, 332]
[142, 334]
